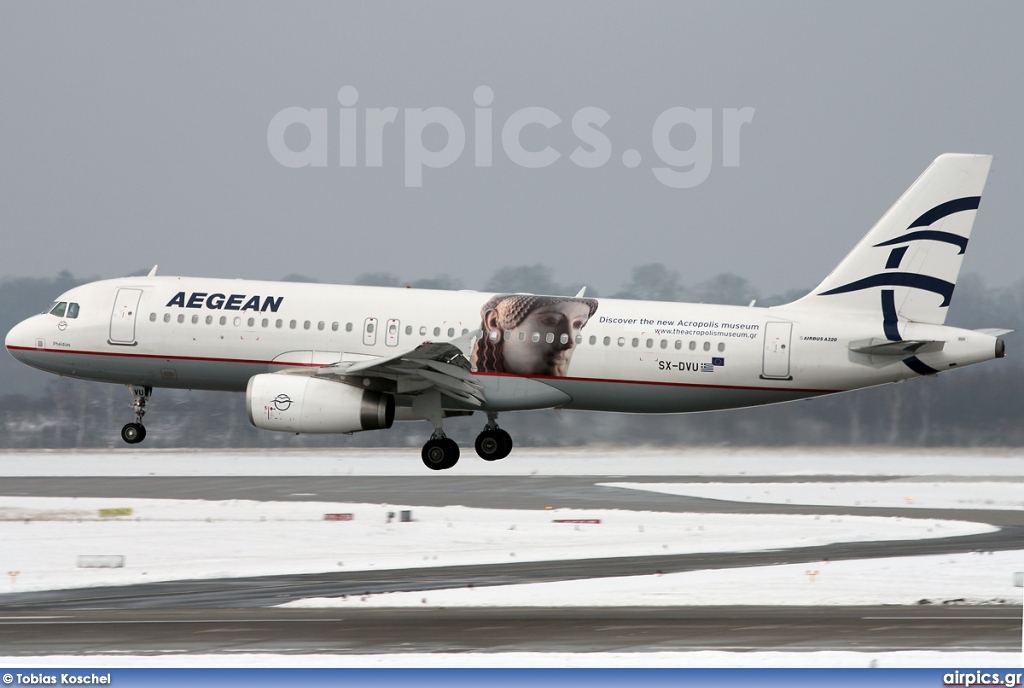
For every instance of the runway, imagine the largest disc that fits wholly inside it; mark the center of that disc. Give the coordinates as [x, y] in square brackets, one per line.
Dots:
[498, 492]
[237, 614]
[805, 629]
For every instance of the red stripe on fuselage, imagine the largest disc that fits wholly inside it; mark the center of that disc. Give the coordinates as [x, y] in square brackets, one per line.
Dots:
[206, 359]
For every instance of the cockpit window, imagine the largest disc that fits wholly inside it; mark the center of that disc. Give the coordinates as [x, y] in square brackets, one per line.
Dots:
[59, 308]
[72, 310]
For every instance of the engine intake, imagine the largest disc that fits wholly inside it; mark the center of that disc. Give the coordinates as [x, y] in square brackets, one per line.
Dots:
[292, 403]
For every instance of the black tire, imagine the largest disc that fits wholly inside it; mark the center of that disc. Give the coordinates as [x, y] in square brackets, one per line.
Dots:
[508, 442]
[492, 445]
[133, 433]
[440, 455]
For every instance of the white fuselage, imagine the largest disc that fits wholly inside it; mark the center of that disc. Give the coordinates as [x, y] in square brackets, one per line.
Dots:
[629, 356]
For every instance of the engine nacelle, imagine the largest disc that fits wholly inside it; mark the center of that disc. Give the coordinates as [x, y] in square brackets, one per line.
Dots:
[294, 403]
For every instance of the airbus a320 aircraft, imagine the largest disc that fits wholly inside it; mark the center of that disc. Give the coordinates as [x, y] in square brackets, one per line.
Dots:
[340, 359]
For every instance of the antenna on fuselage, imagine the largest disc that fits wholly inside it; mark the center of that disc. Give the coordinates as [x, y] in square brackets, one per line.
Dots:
[152, 273]
[581, 293]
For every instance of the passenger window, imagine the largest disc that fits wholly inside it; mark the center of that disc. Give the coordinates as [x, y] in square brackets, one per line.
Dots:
[664, 343]
[195, 319]
[209, 320]
[508, 335]
[535, 336]
[607, 341]
[423, 330]
[167, 317]
[223, 320]
[320, 325]
[251, 322]
[693, 345]
[636, 342]
[721, 346]
[707, 346]
[622, 341]
[650, 343]
[306, 325]
[493, 335]
[348, 327]
[72, 310]
[679, 343]
[593, 340]
[522, 336]
[451, 331]
[564, 339]
[465, 331]
[292, 324]
[237, 322]
[152, 317]
[437, 331]
[550, 338]
[59, 309]
[181, 318]
[408, 329]
[334, 327]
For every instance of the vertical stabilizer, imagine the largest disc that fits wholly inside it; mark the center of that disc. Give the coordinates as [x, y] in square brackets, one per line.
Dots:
[907, 265]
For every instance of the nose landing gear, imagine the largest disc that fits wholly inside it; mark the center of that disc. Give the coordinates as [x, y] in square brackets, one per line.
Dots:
[133, 433]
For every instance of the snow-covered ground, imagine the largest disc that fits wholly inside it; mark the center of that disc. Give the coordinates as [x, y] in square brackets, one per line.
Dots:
[170, 539]
[601, 461]
[921, 495]
[521, 660]
[174, 539]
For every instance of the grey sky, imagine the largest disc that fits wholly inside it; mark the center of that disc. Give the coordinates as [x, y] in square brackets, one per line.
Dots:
[136, 133]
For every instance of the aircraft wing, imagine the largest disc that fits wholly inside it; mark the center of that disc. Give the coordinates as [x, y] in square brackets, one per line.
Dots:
[440, 365]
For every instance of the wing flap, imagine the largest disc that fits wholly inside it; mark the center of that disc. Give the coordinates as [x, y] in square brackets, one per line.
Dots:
[439, 365]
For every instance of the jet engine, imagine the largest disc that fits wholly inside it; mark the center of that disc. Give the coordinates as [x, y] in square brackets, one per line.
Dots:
[301, 404]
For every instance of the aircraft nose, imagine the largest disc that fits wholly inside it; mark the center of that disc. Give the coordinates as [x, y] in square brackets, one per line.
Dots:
[20, 339]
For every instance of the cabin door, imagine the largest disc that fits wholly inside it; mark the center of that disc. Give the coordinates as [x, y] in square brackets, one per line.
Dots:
[123, 317]
[776, 350]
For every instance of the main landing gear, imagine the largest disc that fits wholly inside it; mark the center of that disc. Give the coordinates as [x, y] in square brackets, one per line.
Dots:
[493, 443]
[441, 452]
[133, 433]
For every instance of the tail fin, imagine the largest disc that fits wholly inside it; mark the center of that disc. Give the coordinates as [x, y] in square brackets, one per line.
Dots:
[907, 265]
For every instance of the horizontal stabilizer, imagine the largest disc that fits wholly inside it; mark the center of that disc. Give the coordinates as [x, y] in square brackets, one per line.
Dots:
[994, 331]
[902, 348]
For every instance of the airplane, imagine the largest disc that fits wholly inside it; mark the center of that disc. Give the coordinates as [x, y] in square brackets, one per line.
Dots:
[315, 358]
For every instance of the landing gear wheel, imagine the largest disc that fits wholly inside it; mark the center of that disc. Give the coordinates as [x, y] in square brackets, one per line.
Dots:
[133, 433]
[492, 445]
[507, 438]
[440, 454]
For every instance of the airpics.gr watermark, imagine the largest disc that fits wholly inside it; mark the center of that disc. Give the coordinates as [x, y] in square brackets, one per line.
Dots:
[679, 168]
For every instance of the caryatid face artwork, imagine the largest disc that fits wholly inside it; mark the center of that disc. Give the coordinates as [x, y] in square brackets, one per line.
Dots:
[526, 334]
